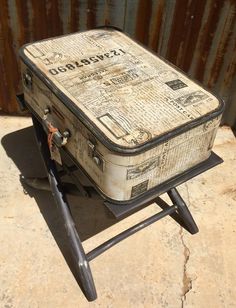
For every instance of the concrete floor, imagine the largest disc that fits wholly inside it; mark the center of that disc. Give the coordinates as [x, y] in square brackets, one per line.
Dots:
[161, 266]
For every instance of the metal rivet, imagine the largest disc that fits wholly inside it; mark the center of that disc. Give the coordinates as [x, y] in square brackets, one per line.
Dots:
[46, 111]
[96, 160]
[66, 134]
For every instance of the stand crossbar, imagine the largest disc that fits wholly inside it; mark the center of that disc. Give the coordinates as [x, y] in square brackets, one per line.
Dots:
[120, 237]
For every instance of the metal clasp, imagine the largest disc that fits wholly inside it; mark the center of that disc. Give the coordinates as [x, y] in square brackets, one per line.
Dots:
[95, 155]
[54, 135]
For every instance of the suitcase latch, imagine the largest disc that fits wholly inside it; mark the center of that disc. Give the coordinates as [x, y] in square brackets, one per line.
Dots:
[96, 157]
[55, 141]
[54, 135]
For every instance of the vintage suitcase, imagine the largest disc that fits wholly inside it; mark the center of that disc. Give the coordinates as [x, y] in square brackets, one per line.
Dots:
[130, 119]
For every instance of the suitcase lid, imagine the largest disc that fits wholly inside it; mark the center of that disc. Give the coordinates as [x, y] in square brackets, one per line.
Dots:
[128, 97]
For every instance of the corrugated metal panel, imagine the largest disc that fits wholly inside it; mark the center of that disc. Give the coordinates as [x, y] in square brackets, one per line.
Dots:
[197, 36]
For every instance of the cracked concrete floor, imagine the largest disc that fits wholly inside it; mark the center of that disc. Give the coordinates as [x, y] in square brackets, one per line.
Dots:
[161, 266]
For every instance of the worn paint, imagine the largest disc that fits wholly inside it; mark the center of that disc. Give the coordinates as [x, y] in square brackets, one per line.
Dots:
[198, 36]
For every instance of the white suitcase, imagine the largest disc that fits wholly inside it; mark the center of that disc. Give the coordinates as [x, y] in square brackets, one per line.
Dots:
[130, 119]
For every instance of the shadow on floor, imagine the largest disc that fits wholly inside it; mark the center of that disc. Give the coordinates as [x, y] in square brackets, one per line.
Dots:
[90, 215]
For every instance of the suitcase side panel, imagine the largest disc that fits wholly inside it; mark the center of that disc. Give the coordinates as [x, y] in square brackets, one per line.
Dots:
[143, 172]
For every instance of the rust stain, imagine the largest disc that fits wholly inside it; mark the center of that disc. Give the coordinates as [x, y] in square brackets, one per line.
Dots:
[185, 30]
[9, 67]
[91, 14]
[23, 34]
[74, 16]
[158, 19]
[53, 20]
[143, 20]
[40, 26]
[206, 37]
[231, 70]
[23, 22]
[3, 94]
[177, 33]
[222, 46]
[191, 29]
[108, 5]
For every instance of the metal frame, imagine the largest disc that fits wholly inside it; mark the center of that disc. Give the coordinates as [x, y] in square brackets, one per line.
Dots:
[178, 211]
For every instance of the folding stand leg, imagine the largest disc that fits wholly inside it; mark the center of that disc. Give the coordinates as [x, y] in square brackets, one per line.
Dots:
[78, 253]
[183, 210]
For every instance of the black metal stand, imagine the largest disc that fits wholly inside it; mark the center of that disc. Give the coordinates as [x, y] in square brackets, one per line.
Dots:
[177, 211]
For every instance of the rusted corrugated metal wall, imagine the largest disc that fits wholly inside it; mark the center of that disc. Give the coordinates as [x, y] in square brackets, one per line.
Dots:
[199, 36]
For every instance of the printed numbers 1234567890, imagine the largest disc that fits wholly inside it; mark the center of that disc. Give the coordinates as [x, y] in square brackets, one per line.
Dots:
[87, 61]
